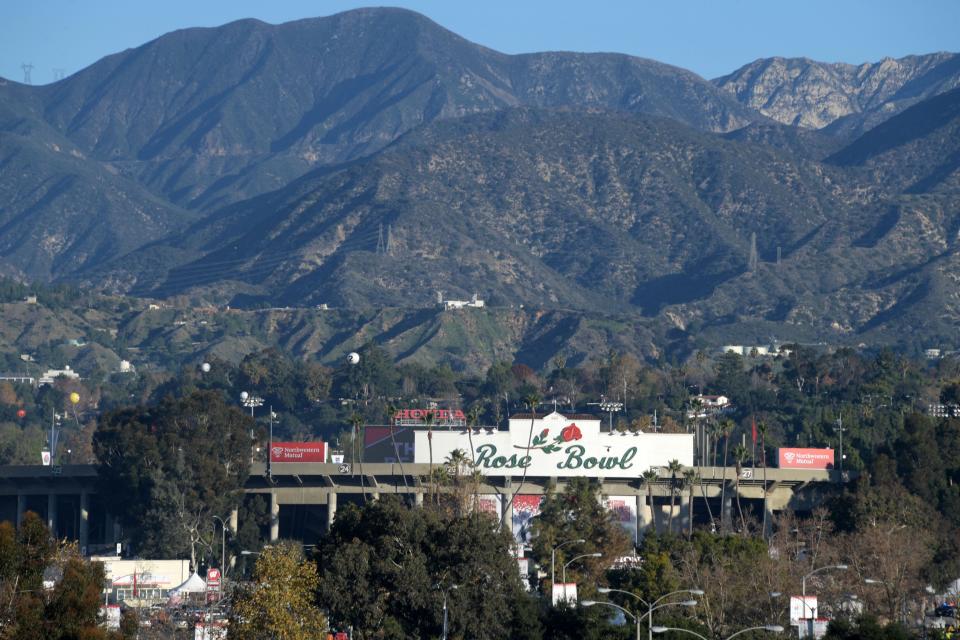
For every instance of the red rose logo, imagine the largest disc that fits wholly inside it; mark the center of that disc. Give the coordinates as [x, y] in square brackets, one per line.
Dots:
[571, 433]
[543, 434]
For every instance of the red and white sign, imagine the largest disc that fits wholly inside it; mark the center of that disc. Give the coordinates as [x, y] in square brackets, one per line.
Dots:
[801, 609]
[806, 458]
[440, 417]
[564, 592]
[298, 452]
[213, 578]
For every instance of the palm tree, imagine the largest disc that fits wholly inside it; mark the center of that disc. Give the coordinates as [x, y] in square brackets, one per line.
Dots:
[674, 467]
[724, 429]
[649, 477]
[391, 410]
[457, 462]
[716, 430]
[356, 420]
[428, 420]
[473, 419]
[740, 453]
[762, 430]
[690, 480]
[533, 400]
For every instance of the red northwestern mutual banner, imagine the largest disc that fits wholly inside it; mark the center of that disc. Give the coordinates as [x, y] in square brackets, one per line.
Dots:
[806, 458]
[298, 452]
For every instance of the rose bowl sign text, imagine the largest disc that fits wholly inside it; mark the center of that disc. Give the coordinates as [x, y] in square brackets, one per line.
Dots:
[298, 452]
[559, 447]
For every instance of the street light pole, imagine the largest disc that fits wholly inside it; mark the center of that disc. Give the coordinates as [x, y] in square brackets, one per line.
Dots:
[636, 618]
[803, 586]
[445, 618]
[572, 560]
[773, 628]
[223, 547]
[653, 606]
[553, 561]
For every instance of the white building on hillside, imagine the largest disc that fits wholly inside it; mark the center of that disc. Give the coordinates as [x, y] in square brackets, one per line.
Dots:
[52, 374]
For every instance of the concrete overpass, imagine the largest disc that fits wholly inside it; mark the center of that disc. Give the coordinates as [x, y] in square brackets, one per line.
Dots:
[303, 498]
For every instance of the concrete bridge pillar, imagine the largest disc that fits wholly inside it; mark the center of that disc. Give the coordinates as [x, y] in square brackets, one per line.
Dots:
[685, 519]
[274, 517]
[332, 507]
[84, 522]
[52, 514]
[232, 524]
[21, 508]
[726, 510]
[644, 515]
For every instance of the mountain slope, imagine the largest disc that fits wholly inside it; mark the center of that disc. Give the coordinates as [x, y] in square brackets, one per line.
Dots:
[571, 211]
[205, 117]
[558, 208]
[60, 211]
[916, 151]
[851, 98]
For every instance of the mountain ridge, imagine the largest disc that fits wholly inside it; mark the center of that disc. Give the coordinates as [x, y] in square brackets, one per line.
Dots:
[846, 99]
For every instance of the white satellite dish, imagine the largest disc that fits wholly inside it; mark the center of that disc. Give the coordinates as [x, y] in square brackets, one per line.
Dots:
[244, 395]
[205, 367]
[353, 357]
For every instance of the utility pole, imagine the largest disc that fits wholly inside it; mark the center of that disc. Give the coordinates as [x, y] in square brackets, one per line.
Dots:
[840, 429]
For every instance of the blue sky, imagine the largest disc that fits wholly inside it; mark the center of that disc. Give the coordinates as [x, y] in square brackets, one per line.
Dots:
[710, 37]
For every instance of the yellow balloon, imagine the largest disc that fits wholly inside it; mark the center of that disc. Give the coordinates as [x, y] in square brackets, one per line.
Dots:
[74, 397]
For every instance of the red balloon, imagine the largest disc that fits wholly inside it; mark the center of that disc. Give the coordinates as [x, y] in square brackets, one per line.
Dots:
[21, 413]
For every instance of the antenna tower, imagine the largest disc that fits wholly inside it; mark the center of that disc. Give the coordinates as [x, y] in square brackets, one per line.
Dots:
[380, 247]
[27, 68]
[753, 252]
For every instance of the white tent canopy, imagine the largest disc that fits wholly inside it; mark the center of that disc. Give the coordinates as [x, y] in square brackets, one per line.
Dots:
[193, 584]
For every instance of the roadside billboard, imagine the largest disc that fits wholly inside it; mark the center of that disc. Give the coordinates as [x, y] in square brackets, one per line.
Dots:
[624, 510]
[802, 609]
[806, 458]
[491, 503]
[558, 446]
[380, 446]
[281, 452]
[525, 507]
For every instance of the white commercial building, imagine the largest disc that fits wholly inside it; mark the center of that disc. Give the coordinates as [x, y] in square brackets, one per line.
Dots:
[143, 580]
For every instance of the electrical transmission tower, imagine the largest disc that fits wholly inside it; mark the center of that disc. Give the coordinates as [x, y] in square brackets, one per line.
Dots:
[381, 249]
[27, 68]
[59, 74]
[753, 253]
[389, 239]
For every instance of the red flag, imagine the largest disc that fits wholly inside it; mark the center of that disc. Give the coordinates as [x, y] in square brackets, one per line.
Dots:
[753, 427]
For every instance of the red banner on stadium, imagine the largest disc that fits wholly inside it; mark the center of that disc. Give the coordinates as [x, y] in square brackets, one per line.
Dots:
[298, 452]
[806, 458]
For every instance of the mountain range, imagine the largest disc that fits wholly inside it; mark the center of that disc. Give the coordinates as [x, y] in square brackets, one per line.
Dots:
[372, 158]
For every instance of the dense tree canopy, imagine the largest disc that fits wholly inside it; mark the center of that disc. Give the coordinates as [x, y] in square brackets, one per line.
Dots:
[167, 469]
[279, 603]
[28, 611]
[384, 570]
